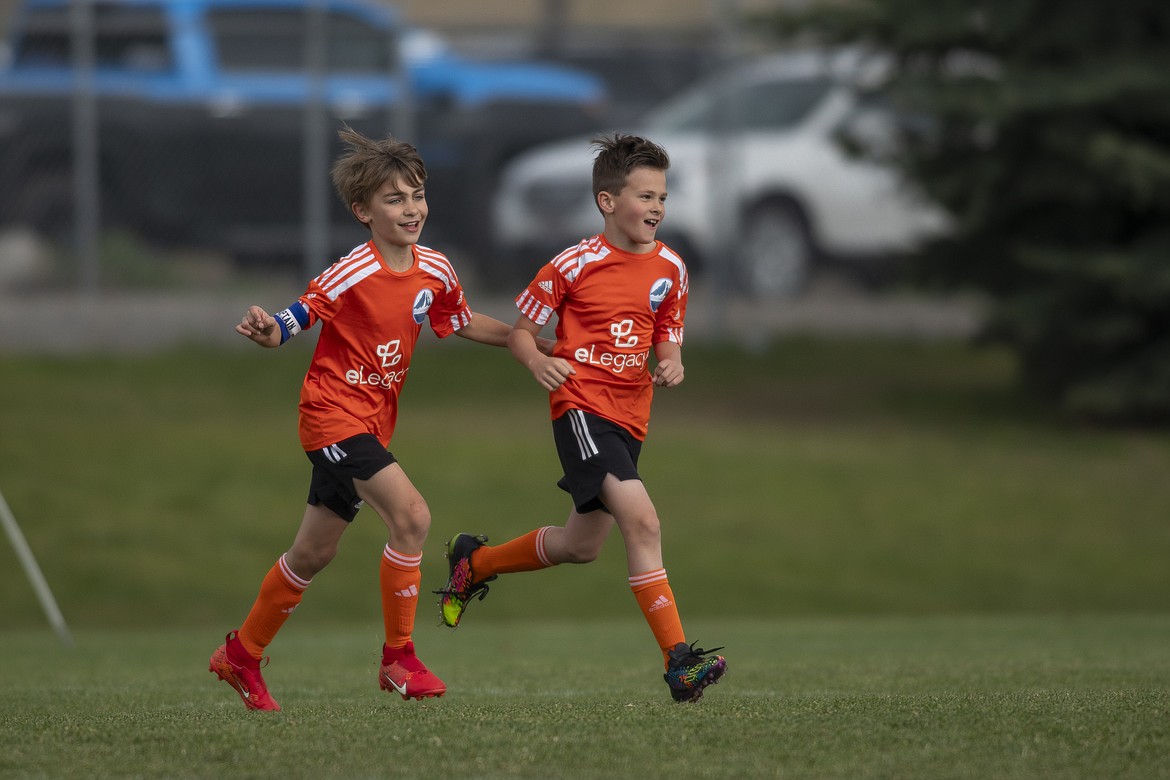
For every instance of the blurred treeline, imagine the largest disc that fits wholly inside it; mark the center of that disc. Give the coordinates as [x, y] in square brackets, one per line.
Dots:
[1048, 140]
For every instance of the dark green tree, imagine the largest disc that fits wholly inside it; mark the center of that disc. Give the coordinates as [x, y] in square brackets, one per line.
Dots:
[1049, 144]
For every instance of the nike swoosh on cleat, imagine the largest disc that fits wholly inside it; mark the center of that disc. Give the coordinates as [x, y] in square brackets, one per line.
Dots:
[238, 684]
[401, 689]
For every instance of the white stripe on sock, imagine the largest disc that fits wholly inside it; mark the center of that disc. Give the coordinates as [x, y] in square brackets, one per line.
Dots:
[541, 553]
[290, 577]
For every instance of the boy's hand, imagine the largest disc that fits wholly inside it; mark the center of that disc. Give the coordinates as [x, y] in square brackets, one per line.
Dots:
[259, 326]
[551, 372]
[668, 373]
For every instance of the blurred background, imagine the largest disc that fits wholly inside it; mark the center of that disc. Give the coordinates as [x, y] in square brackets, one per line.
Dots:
[992, 169]
[181, 148]
[930, 303]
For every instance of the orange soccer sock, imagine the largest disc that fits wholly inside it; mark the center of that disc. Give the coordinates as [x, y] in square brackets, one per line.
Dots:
[652, 590]
[524, 553]
[280, 593]
[400, 577]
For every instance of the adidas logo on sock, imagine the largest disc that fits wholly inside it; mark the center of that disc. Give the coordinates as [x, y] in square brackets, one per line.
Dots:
[409, 593]
[660, 603]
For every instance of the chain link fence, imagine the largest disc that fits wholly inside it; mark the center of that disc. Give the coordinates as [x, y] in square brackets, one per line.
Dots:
[127, 131]
[139, 139]
[154, 144]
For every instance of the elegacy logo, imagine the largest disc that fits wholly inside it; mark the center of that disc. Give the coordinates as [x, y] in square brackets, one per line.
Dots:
[621, 334]
[391, 355]
[617, 362]
[389, 352]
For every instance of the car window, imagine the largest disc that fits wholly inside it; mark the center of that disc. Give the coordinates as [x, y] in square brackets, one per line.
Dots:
[274, 40]
[129, 39]
[762, 105]
[774, 105]
[692, 110]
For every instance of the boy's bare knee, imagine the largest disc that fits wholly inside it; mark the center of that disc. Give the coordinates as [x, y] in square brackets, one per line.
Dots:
[418, 516]
[581, 554]
[307, 562]
[644, 529]
[410, 527]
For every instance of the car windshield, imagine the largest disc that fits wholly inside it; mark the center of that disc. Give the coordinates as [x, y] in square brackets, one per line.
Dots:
[274, 40]
[125, 39]
[771, 104]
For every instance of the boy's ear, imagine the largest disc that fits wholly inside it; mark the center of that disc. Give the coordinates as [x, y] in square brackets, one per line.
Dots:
[605, 202]
[360, 211]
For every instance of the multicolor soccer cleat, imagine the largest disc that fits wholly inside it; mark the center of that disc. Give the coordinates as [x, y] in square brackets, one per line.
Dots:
[403, 673]
[688, 672]
[233, 664]
[461, 587]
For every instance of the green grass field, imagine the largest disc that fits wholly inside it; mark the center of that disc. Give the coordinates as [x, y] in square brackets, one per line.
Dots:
[924, 697]
[916, 572]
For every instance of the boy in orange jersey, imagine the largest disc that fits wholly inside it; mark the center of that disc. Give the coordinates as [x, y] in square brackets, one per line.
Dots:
[617, 296]
[372, 305]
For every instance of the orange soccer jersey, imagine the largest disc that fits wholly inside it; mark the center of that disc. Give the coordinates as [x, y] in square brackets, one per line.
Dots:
[372, 319]
[612, 307]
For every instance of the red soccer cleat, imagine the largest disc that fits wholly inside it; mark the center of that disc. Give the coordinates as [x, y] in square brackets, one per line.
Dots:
[404, 673]
[232, 663]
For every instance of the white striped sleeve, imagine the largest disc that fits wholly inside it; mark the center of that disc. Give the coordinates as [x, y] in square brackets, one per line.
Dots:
[532, 308]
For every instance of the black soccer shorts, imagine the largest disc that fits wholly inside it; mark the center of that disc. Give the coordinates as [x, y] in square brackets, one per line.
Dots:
[591, 447]
[336, 467]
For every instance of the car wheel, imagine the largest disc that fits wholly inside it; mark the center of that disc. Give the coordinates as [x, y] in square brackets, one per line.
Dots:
[777, 252]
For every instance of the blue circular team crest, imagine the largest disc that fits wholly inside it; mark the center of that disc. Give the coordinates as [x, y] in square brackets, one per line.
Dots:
[422, 304]
[658, 292]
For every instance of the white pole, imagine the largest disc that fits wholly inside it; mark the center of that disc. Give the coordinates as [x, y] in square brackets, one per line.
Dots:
[56, 620]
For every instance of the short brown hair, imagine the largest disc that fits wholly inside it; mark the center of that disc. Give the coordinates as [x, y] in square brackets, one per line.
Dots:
[619, 154]
[366, 165]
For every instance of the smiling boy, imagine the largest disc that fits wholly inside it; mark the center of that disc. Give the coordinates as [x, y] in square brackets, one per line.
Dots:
[618, 296]
[372, 305]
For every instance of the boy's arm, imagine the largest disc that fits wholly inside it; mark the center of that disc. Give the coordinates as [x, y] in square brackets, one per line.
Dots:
[669, 371]
[550, 372]
[485, 330]
[260, 327]
[490, 331]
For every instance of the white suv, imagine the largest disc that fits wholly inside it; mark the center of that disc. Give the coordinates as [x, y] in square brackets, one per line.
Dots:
[759, 186]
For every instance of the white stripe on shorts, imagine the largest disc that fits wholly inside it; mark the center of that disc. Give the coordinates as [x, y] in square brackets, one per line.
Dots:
[585, 445]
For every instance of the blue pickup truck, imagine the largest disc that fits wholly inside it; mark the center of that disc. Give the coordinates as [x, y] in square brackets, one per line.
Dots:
[200, 108]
